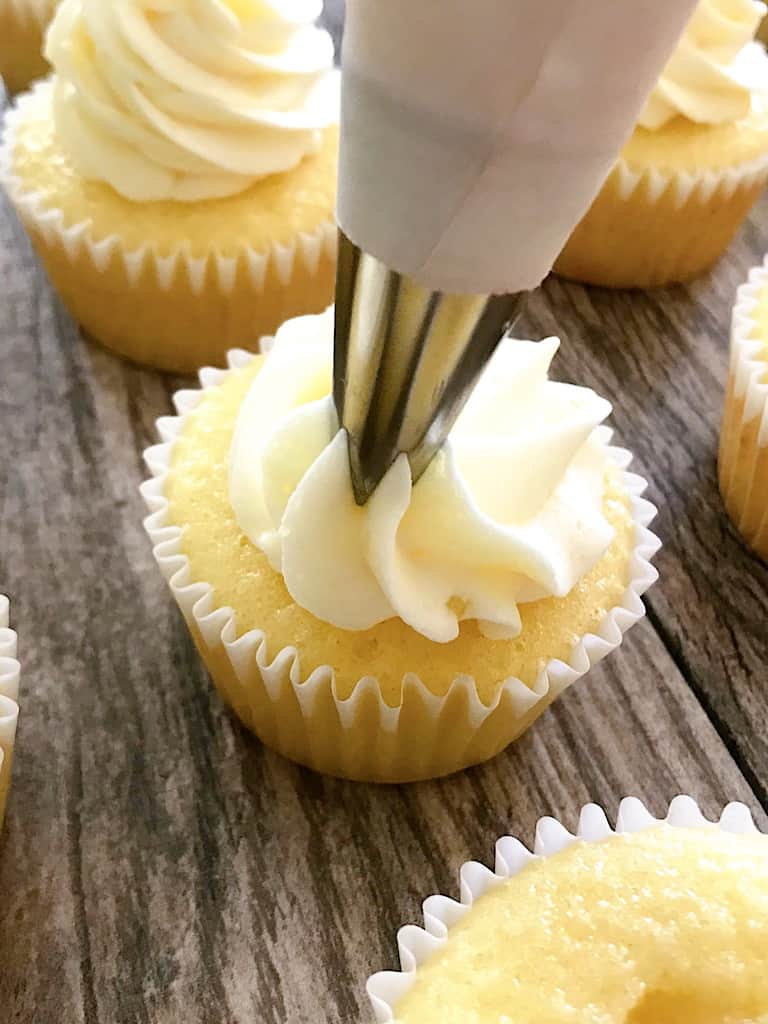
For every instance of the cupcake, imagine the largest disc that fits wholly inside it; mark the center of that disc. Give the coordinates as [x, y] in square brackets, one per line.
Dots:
[743, 459]
[656, 922]
[177, 172]
[9, 694]
[22, 25]
[426, 630]
[694, 165]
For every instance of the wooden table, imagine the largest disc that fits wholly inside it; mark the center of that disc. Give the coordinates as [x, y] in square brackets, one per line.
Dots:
[158, 864]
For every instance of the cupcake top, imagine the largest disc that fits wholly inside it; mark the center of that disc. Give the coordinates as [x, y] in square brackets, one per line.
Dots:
[715, 69]
[189, 99]
[668, 924]
[509, 511]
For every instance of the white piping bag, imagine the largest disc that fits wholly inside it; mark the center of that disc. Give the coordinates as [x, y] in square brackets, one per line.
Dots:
[474, 137]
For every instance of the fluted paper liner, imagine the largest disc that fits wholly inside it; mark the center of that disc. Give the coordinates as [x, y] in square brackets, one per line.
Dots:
[9, 695]
[415, 945]
[215, 296]
[743, 458]
[362, 737]
[654, 226]
[685, 186]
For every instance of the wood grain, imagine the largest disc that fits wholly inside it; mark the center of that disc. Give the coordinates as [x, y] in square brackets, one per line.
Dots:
[662, 356]
[158, 864]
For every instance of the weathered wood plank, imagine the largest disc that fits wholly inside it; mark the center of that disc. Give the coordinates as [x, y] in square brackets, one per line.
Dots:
[662, 357]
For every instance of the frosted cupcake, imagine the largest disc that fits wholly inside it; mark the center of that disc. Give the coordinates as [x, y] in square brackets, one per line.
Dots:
[694, 165]
[425, 631]
[658, 922]
[177, 173]
[743, 459]
[9, 709]
[22, 25]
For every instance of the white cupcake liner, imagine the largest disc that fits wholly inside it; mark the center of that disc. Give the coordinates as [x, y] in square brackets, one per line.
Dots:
[743, 455]
[415, 945]
[280, 671]
[650, 226]
[78, 240]
[9, 695]
[748, 363]
[691, 186]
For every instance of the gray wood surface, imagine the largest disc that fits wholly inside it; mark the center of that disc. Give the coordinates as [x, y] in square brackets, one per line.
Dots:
[158, 864]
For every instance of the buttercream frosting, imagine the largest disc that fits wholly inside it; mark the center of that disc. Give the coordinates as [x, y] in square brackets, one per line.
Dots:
[189, 99]
[711, 75]
[509, 511]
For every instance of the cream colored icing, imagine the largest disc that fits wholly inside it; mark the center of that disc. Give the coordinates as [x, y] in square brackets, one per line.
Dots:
[189, 99]
[510, 510]
[712, 73]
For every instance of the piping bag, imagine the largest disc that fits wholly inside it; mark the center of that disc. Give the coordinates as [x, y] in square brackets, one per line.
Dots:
[474, 136]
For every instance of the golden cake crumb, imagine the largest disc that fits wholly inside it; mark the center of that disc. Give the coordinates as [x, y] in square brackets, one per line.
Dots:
[667, 926]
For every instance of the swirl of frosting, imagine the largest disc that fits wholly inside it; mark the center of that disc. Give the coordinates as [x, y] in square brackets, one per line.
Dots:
[709, 76]
[189, 99]
[510, 510]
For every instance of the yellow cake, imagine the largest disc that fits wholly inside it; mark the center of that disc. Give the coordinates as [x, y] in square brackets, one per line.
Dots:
[9, 709]
[166, 255]
[694, 166]
[22, 25]
[242, 578]
[743, 458]
[663, 926]
[465, 698]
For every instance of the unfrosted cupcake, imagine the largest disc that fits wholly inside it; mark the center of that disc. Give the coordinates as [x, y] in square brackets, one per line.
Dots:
[22, 26]
[743, 459]
[658, 923]
[425, 631]
[9, 694]
[177, 173]
[694, 165]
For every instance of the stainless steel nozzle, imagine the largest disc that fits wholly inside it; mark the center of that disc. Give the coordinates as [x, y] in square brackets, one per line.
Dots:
[405, 361]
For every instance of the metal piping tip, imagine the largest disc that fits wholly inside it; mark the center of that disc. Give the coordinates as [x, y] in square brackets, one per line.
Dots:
[405, 362]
